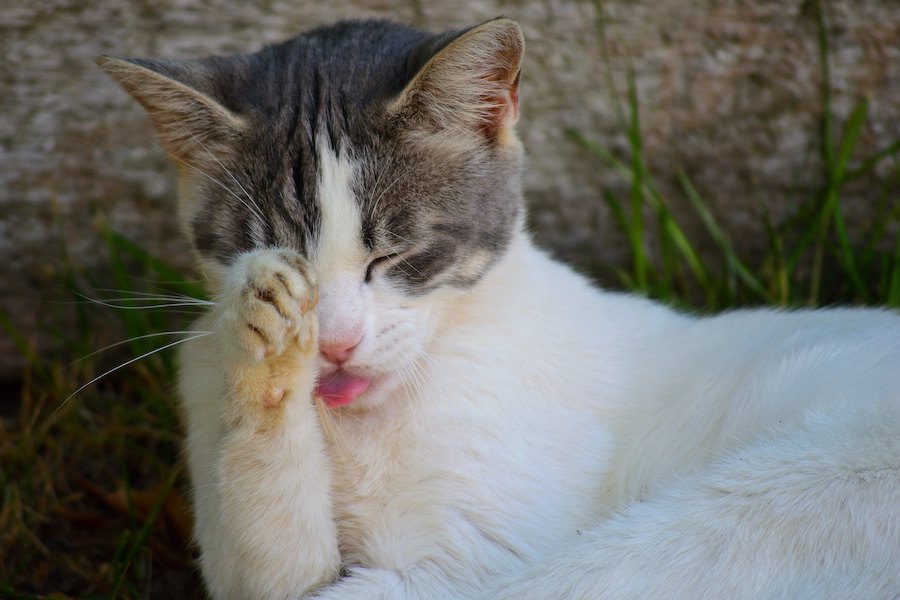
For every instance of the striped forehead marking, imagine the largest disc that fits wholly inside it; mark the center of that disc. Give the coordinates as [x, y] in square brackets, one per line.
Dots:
[339, 247]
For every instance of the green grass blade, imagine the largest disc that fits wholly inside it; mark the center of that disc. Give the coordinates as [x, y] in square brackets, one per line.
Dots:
[600, 152]
[174, 278]
[832, 207]
[610, 80]
[723, 242]
[670, 231]
[615, 207]
[140, 538]
[25, 348]
[826, 123]
[849, 140]
[638, 171]
[891, 149]
[686, 250]
[781, 282]
[893, 293]
[827, 151]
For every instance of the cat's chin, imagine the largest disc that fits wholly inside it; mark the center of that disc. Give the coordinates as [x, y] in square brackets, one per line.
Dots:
[381, 392]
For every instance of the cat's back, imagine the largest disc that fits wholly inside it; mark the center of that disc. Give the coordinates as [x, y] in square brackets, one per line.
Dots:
[830, 353]
[726, 381]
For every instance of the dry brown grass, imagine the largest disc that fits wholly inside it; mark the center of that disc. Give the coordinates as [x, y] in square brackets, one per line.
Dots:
[93, 492]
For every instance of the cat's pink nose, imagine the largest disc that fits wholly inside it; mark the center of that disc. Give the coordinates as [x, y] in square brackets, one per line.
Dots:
[337, 351]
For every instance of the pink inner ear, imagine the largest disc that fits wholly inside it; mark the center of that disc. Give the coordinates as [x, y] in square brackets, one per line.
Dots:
[504, 105]
[514, 99]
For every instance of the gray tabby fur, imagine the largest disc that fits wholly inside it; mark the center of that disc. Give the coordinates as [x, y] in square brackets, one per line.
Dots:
[448, 211]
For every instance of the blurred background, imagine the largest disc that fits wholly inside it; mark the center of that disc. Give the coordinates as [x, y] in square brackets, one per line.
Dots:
[708, 153]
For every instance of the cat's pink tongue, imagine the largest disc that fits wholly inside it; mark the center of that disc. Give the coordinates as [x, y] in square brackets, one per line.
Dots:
[340, 388]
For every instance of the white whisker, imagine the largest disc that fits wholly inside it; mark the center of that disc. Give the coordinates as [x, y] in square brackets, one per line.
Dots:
[403, 260]
[109, 302]
[374, 211]
[409, 383]
[163, 296]
[384, 168]
[251, 207]
[134, 339]
[229, 173]
[402, 239]
[126, 363]
[428, 375]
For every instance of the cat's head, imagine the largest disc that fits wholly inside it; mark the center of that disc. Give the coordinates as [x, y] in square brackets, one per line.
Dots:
[385, 155]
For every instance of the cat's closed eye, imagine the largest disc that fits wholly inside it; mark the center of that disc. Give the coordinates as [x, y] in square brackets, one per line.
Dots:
[377, 262]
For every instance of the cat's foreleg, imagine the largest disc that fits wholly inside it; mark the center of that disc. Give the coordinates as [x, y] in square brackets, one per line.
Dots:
[262, 480]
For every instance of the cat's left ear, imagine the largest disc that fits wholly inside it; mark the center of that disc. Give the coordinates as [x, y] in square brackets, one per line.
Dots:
[180, 97]
[471, 84]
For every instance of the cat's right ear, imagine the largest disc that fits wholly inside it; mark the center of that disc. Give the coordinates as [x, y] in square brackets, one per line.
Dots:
[469, 85]
[178, 97]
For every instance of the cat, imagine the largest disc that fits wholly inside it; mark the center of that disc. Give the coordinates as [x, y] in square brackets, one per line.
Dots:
[402, 397]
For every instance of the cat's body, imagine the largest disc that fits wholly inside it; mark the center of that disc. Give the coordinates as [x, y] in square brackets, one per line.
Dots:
[491, 425]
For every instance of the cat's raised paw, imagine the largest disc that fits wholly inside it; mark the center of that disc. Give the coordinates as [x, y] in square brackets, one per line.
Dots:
[267, 305]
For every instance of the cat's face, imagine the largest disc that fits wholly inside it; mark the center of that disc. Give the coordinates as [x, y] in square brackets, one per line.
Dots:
[384, 155]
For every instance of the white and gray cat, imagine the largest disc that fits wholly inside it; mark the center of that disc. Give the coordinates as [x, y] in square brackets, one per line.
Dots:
[403, 398]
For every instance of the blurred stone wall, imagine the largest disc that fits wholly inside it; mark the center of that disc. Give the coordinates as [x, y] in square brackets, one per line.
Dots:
[729, 93]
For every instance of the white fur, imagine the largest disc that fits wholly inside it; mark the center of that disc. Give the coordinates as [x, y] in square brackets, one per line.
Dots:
[340, 252]
[340, 246]
[535, 437]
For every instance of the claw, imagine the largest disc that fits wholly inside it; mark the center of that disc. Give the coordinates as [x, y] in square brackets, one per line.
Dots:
[310, 303]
